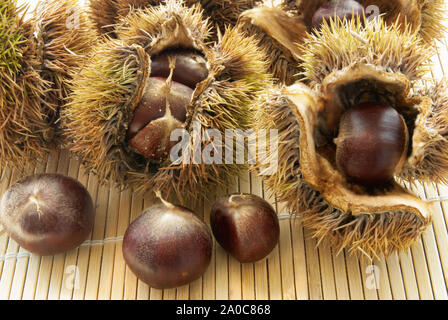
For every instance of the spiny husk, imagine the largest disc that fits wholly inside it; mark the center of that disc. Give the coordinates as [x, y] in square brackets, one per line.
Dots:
[369, 224]
[429, 160]
[25, 131]
[278, 32]
[37, 56]
[65, 36]
[107, 90]
[341, 44]
[107, 13]
[425, 17]
[433, 20]
[104, 15]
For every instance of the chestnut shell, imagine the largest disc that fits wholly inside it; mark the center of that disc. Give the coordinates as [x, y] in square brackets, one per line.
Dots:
[245, 225]
[167, 246]
[47, 214]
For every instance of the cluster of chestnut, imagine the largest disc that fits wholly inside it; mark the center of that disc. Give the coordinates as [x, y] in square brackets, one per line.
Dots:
[166, 246]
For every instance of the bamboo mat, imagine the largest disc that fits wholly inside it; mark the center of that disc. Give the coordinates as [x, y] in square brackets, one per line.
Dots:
[296, 269]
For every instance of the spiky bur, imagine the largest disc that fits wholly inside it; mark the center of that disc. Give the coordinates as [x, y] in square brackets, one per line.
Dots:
[104, 15]
[25, 131]
[65, 37]
[340, 44]
[368, 224]
[429, 161]
[426, 17]
[346, 64]
[433, 20]
[107, 13]
[107, 91]
[278, 33]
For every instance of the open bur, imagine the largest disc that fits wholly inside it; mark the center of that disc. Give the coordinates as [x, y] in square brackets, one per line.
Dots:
[143, 98]
[347, 138]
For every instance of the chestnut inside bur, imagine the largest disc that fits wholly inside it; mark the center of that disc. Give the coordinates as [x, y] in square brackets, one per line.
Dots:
[245, 225]
[47, 214]
[163, 106]
[167, 246]
[343, 9]
[372, 144]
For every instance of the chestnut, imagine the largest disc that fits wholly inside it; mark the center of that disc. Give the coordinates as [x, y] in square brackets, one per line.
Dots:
[163, 106]
[245, 225]
[343, 9]
[167, 246]
[47, 214]
[372, 143]
[190, 68]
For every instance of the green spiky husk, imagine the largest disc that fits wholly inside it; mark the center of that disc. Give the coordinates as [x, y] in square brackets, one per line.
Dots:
[430, 163]
[25, 131]
[340, 44]
[371, 234]
[106, 90]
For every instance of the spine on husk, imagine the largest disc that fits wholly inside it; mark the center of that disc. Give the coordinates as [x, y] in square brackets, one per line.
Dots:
[35, 56]
[347, 63]
[106, 14]
[109, 91]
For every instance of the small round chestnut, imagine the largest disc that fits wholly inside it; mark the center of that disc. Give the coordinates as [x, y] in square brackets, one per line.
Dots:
[372, 143]
[343, 9]
[47, 214]
[168, 246]
[245, 225]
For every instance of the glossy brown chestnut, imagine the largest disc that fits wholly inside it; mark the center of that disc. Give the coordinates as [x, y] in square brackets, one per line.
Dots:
[372, 143]
[47, 214]
[153, 104]
[163, 106]
[343, 9]
[190, 68]
[245, 225]
[167, 246]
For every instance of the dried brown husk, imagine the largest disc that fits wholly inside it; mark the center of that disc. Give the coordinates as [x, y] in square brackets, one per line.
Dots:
[107, 90]
[429, 161]
[346, 64]
[278, 32]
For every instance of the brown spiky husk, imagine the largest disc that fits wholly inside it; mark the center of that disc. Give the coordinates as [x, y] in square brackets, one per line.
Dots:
[108, 88]
[371, 233]
[429, 163]
[278, 32]
[65, 37]
[107, 13]
[25, 131]
[104, 15]
[433, 20]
